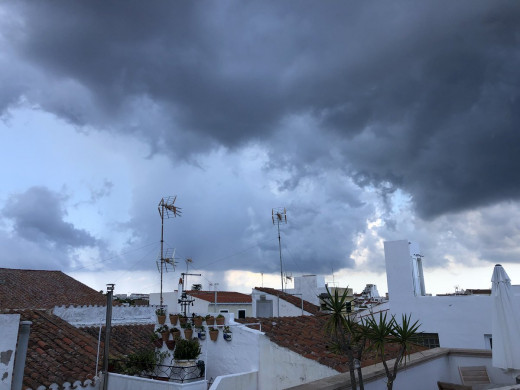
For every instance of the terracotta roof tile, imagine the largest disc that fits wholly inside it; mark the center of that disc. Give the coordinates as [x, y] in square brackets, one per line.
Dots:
[305, 335]
[37, 289]
[222, 296]
[292, 299]
[58, 352]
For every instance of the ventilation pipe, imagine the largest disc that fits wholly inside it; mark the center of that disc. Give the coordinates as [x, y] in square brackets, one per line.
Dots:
[21, 353]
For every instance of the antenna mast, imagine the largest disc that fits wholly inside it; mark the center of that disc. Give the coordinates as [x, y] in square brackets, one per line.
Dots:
[279, 215]
[166, 209]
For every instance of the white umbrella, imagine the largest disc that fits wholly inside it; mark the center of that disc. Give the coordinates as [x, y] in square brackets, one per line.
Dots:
[505, 323]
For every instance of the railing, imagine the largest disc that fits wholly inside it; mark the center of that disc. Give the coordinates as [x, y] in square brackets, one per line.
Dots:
[178, 372]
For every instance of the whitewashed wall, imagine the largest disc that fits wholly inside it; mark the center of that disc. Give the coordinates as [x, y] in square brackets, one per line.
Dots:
[169, 299]
[125, 382]
[241, 381]
[96, 315]
[461, 321]
[281, 308]
[281, 368]
[9, 325]
[310, 286]
[444, 369]
[232, 308]
[231, 357]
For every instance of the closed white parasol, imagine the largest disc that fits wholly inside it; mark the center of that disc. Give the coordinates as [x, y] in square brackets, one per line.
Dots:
[505, 323]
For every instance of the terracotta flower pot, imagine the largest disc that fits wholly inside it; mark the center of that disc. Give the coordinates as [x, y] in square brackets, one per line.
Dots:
[173, 319]
[220, 320]
[170, 344]
[158, 343]
[165, 335]
[197, 322]
[161, 319]
[188, 334]
[210, 321]
[183, 320]
[213, 335]
[176, 335]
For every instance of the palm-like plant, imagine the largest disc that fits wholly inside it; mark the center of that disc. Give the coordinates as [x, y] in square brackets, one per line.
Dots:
[338, 325]
[389, 331]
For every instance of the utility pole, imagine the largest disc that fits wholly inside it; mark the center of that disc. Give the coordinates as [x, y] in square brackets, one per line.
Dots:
[110, 292]
[279, 215]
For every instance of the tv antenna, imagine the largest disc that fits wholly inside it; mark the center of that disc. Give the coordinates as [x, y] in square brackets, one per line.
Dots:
[167, 209]
[279, 215]
[184, 300]
[169, 259]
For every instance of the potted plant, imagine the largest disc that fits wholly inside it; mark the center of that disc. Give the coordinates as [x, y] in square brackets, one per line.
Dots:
[186, 350]
[170, 344]
[188, 331]
[201, 334]
[156, 340]
[185, 355]
[176, 333]
[173, 319]
[163, 331]
[183, 320]
[210, 320]
[228, 335]
[213, 333]
[221, 320]
[161, 315]
[197, 321]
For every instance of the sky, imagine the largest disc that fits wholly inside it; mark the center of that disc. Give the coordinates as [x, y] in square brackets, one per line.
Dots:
[366, 121]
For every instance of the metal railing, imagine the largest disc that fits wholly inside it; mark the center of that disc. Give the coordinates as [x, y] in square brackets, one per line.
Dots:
[177, 372]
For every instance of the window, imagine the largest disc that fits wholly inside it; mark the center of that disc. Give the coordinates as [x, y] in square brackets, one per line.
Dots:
[429, 340]
[224, 311]
[241, 314]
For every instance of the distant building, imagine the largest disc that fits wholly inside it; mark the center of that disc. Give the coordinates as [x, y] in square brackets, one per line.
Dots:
[240, 305]
[269, 302]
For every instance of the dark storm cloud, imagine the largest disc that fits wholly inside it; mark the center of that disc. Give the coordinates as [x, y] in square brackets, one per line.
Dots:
[422, 96]
[38, 216]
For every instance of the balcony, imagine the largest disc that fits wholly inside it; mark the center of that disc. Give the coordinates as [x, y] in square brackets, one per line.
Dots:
[423, 370]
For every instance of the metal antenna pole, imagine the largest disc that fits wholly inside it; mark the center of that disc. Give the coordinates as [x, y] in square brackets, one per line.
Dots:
[162, 245]
[280, 248]
[166, 208]
[281, 216]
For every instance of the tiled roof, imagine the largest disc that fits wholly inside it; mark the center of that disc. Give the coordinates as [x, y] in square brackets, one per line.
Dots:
[305, 335]
[125, 339]
[222, 296]
[58, 352]
[292, 299]
[37, 289]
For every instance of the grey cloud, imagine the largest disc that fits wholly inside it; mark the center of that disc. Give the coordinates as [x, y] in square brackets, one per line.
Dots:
[38, 216]
[419, 96]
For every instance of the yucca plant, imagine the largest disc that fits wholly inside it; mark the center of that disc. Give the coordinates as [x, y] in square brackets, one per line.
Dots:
[385, 331]
[337, 326]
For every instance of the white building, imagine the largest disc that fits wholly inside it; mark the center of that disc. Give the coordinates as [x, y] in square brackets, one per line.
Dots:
[236, 303]
[269, 302]
[309, 287]
[460, 321]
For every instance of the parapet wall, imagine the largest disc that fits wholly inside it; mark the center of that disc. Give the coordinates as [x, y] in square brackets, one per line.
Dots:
[87, 385]
[80, 316]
